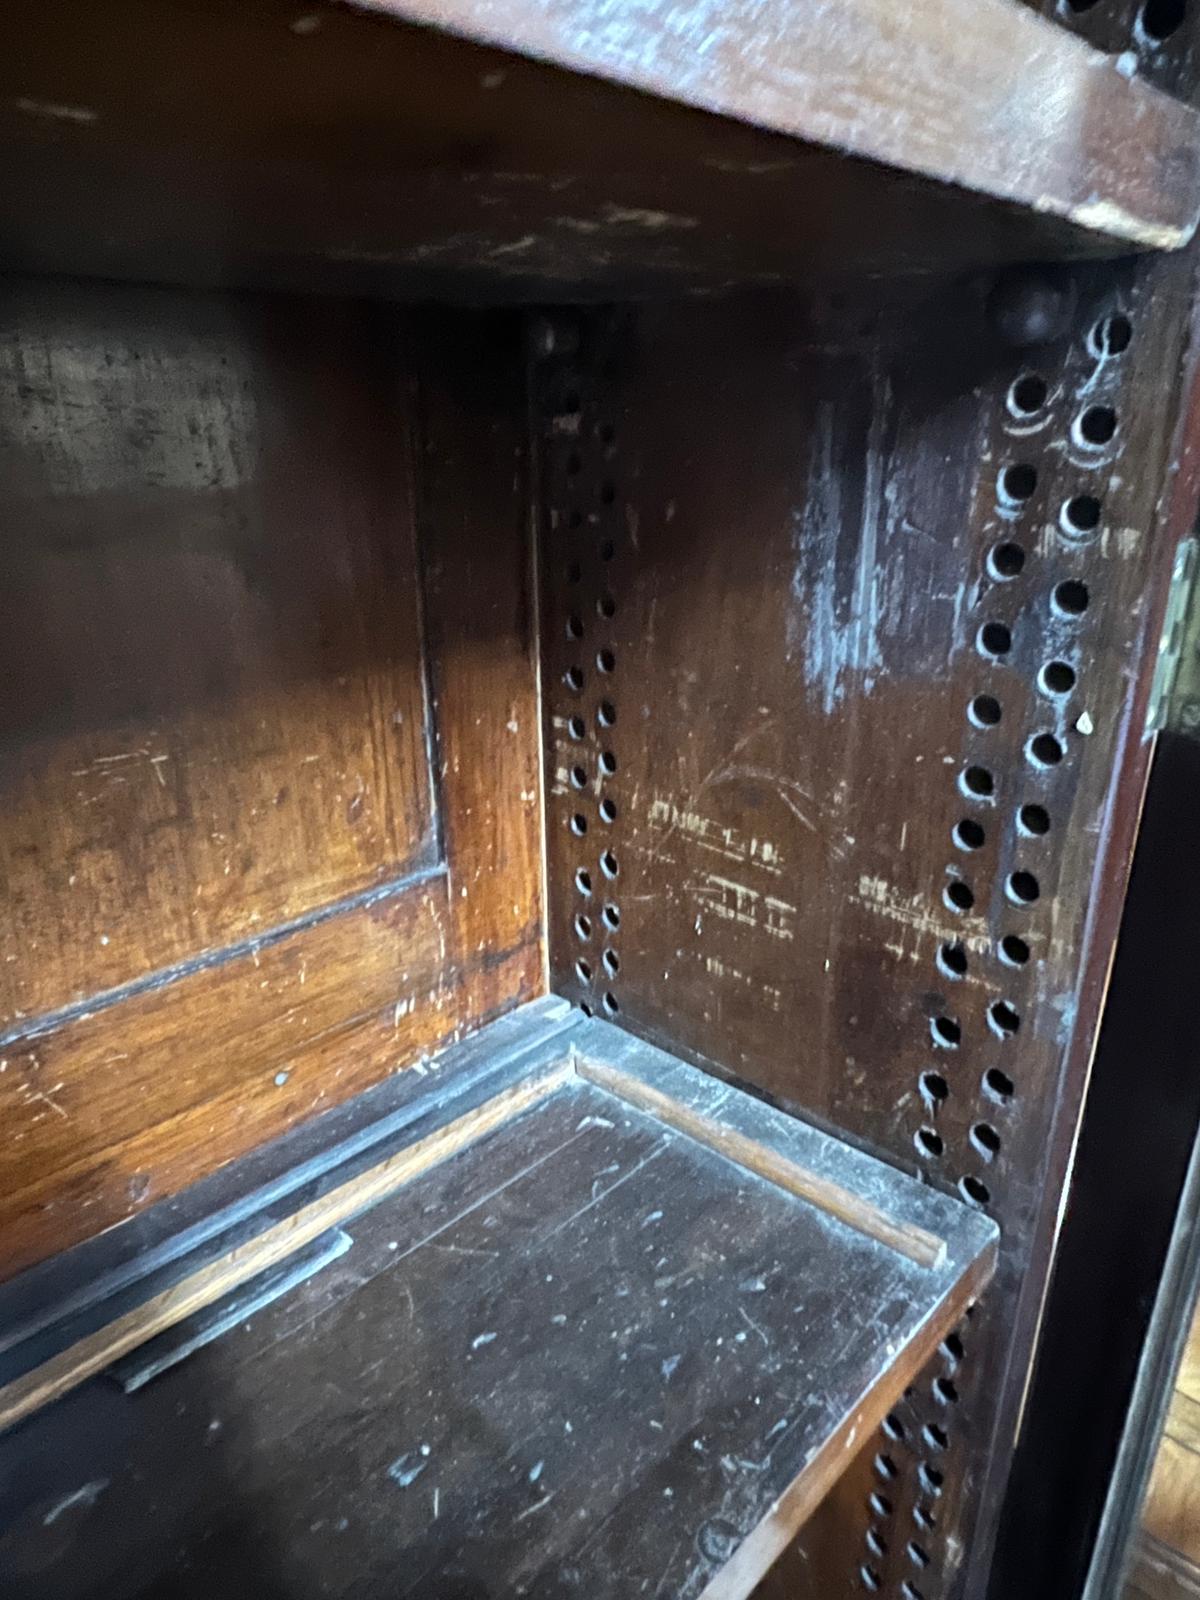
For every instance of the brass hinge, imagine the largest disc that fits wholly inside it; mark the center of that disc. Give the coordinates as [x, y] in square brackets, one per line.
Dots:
[1175, 692]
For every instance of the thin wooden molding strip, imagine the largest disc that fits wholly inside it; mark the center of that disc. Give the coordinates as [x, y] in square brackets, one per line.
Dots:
[919, 1245]
[99, 1350]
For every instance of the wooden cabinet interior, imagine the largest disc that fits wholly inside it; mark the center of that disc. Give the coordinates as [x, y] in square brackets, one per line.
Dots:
[733, 608]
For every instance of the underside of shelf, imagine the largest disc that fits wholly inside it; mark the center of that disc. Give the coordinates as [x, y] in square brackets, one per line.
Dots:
[426, 150]
[610, 1324]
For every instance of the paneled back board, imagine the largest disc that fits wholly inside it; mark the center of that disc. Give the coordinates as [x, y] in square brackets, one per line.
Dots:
[267, 725]
[849, 626]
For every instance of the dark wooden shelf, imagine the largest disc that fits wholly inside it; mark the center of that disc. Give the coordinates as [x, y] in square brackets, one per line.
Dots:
[455, 149]
[609, 1324]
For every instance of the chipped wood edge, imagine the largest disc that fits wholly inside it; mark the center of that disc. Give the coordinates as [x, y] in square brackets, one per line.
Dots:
[1103, 202]
[927, 1249]
[91, 1355]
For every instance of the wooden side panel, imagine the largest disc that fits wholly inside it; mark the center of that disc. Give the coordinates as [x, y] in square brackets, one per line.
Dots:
[270, 826]
[842, 659]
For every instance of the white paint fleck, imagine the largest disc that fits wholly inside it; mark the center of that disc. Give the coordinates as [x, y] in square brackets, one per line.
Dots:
[54, 111]
[85, 1497]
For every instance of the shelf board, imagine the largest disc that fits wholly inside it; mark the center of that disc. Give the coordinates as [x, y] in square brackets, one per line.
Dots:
[458, 150]
[607, 1323]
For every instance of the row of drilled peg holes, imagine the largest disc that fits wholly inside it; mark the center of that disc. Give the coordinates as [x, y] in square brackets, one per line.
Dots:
[930, 1481]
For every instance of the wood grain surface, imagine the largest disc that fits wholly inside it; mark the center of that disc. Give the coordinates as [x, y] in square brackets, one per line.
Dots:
[363, 153]
[269, 727]
[795, 650]
[481, 1412]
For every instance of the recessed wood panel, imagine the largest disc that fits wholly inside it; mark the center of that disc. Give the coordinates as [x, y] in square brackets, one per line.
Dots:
[271, 798]
[213, 712]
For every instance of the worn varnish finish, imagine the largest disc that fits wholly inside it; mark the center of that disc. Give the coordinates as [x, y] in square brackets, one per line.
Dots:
[271, 794]
[463, 1405]
[782, 578]
[363, 152]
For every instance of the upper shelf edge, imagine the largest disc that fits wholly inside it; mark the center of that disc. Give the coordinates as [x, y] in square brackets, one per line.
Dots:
[981, 94]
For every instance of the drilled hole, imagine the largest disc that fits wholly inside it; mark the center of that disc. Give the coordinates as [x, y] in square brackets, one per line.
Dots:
[909, 1591]
[606, 661]
[917, 1554]
[1080, 5]
[894, 1428]
[1111, 335]
[574, 573]
[1096, 426]
[1045, 750]
[1071, 598]
[587, 1009]
[925, 1520]
[1080, 515]
[1161, 18]
[984, 711]
[583, 880]
[607, 607]
[995, 640]
[583, 926]
[929, 1142]
[607, 550]
[1033, 820]
[573, 678]
[1003, 1019]
[974, 1190]
[934, 1088]
[998, 1085]
[608, 810]
[945, 1392]
[1017, 483]
[946, 1032]
[575, 727]
[978, 782]
[1006, 560]
[952, 1348]
[608, 493]
[930, 1478]
[958, 895]
[606, 714]
[611, 1004]
[607, 763]
[885, 1468]
[1014, 952]
[611, 917]
[574, 628]
[876, 1545]
[935, 1436]
[607, 432]
[952, 959]
[968, 834]
[611, 962]
[608, 864]
[869, 1578]
[579, 777]
[583, 970]
[986, 1140]
[1028, 395]
[1023, 888]
[879, 1505]
[578, 825]
[1056, 678]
